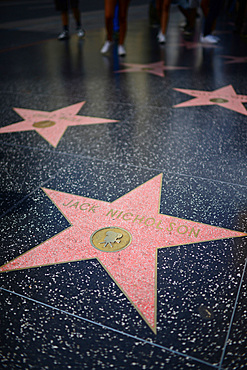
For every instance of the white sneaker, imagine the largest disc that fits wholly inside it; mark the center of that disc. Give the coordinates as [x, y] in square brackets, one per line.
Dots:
[64, 35]
[80, 32]
[161, 37]
[121, 50]
[209, 39]
[106, 47]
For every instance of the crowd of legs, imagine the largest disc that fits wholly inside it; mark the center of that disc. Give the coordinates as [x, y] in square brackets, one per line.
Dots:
[210, 9]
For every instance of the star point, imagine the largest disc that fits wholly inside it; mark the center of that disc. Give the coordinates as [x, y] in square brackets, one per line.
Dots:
[233, 60]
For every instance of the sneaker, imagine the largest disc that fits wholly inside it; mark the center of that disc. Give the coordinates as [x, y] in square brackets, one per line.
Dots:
[64, 35]
[121, 50]
[216, 37]
[188, 30]
[209, 39]
[106, 47]
[161, 38]
[80, 32]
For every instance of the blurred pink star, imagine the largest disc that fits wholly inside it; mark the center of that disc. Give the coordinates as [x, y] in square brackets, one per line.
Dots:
[225, 97]
[51, 125]
[195, 45]
[234, 59]
[156, 68]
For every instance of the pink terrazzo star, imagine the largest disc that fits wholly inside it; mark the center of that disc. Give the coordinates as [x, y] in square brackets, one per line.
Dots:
[195, 45]
[133, 268]
[157, 68]
[51, 125]
[234, 60]
[225, 97]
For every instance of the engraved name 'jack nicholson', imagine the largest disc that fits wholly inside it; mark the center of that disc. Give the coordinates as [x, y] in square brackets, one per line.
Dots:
[110, 239]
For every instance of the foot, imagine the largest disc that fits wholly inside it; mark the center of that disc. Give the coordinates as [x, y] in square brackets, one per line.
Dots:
[209, 39]
[64, 35]
[161, 38]
[188, 30]
[106, 47]
[80, 32]
[121, 51]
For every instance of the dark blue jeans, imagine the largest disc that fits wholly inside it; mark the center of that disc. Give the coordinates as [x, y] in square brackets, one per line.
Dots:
[214, 10]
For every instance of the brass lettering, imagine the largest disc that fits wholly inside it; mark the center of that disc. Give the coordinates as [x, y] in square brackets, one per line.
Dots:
[112, 214]
[153, 221]
[84, 204]
[196, 233]
[127, 219]
[171, 227]
[182, 232]
[158, 224]
[138, 219]
[67, 204]
[119, 214]
[93, 208]
[74, 205]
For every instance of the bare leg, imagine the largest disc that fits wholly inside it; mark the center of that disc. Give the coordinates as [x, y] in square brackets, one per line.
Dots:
[163, 7]
[109, 15]
[65, 18]
[123, 13]
[77, 16]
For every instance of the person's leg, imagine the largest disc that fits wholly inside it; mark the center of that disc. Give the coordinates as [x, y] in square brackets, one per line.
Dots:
[190, 15]
[165, 10]
[213, 12]
[158, 8]
[62, 7]
[64, 35]
[241, 16]
[184, 11]
[65, 19]
[123, 14]
[109, 15]
[205, 7]
[77, 17]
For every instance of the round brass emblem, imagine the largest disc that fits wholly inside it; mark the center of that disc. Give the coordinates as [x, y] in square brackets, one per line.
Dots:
[44, 124]
[219, 100]
[110, 239]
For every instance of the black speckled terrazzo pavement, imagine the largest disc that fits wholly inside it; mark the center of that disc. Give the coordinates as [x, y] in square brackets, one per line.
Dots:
[123, 195]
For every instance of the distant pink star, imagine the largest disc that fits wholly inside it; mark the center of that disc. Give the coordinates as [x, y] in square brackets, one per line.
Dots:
[195, 45]
[51, 125]
[225, 97]
[156, 68]
[234, 59]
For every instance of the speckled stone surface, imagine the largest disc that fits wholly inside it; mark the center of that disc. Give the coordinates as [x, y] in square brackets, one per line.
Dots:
[154, 145]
